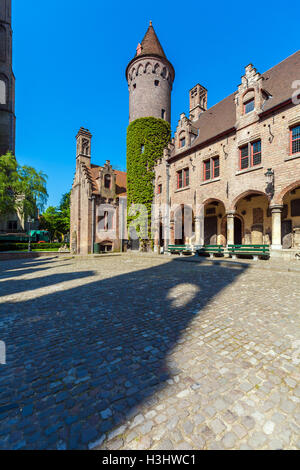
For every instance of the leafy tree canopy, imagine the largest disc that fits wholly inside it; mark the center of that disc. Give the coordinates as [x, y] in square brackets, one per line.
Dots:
[57, 219]
[22, 188]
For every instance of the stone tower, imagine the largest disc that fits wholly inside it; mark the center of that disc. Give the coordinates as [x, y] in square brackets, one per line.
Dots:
[7, 81]
[150, 79]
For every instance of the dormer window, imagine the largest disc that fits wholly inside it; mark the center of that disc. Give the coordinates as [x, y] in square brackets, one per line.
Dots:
[107, 181]
[249, 106]
[182, 142]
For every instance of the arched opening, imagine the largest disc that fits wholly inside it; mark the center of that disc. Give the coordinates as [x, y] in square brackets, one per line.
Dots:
[215, 231]
[290, 219]
[106, 246]
[107, 181]
[184, 225]
[253, 220]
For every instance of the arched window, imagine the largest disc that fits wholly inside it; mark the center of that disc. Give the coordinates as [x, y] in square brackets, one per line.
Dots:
[2, 92]
[182, 141]
[107, 181]
[248, 102]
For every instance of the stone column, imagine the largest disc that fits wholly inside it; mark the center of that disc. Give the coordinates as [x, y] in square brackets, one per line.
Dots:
[276, 227]
[172, 230]
[156, 235]
[199, 226]
[230, 227]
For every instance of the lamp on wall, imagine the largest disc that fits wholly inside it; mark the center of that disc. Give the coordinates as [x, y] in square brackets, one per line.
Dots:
[270, 182]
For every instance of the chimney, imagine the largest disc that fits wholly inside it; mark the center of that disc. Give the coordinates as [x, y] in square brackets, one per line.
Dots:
[198, 101]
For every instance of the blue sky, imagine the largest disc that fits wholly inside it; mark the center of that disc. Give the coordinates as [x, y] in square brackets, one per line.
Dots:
[70, 58]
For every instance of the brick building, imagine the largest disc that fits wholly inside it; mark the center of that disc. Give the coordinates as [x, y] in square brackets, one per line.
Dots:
[97, 194]
[232, 171]
[236, 165]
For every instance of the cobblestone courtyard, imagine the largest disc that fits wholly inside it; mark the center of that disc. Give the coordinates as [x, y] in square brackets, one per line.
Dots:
[140, 352]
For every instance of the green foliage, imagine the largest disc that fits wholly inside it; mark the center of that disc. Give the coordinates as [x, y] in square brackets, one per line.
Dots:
[146, 140]
[34, 246]
[57, 219]
[8, 183]
[22, 188]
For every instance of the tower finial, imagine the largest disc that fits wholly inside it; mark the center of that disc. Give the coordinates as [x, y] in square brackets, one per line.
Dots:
[150, 23]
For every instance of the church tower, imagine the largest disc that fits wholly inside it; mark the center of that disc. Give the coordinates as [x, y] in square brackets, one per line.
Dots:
[150, 79]
[7, 81]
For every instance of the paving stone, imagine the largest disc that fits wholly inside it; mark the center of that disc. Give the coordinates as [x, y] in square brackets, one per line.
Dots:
[239, 430]
[229, 440]
[257, 440]
[269, 427]
[188, 427]
[217, 426]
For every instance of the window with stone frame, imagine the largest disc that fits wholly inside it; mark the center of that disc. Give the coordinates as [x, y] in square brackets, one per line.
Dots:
[107, 181]
[183, 177]
[211, 168]
[249, 106]
[159, 188]
[250, 155]
[182, 141]
[106, 221]
[295, 140]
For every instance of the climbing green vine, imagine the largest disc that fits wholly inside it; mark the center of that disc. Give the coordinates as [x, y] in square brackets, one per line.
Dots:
[146, 140]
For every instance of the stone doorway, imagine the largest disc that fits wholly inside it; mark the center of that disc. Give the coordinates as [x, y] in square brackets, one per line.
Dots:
[210, 230]
[238, 232]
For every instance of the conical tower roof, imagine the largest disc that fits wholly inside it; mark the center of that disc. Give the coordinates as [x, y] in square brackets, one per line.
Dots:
[150, 45]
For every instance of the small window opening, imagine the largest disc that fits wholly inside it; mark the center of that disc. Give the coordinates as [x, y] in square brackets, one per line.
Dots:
[163, 113]
[156, 82]
[107, 181]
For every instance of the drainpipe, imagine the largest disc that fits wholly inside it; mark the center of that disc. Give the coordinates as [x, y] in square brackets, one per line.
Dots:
[93, 223]
[121, 224]
[167, 219]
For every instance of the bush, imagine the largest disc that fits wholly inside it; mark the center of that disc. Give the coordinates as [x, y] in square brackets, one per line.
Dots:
[34, 246]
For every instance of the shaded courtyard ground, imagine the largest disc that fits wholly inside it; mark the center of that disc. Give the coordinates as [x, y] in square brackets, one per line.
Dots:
[145, 352]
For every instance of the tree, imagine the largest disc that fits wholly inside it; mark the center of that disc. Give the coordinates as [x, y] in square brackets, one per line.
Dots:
[57, 219]
[8, 183]
[22, 188]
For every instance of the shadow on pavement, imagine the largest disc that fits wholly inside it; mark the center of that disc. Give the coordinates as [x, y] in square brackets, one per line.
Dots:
[79, 361]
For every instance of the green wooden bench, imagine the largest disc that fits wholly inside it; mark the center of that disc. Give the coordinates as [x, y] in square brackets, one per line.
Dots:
[211, 250]
[179, 249]
[249, 250]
